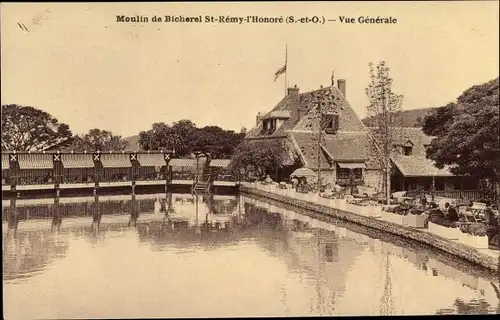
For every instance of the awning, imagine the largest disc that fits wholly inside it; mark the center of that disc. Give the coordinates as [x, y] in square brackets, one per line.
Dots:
[35, 161]
[80, 160]
[183, 163]
[5, 161]
[303, 172]
[220, 163]
[351, 165]
[151, 159]
[116, 160]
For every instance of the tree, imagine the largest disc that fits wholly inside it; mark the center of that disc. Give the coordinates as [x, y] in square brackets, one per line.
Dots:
[25, 128]
[160, 138]
[383, 106]
[97, 139]
[185, 138]
[218, 142]
[265, 157]
[466, 134]
[439, 121]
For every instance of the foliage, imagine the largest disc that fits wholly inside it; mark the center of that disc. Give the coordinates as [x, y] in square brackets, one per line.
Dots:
[383, 107]
[161, 137]
[218, 142]
[25, 128]
[475, 229]
[442, 221]
[184, 138]
[97, 139]
[263, 156]
[467, 133]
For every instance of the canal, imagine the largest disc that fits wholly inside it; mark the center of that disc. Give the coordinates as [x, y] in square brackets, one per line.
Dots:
[180, 255]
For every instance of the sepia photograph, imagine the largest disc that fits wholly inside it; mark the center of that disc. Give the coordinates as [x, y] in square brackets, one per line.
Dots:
[250, 159]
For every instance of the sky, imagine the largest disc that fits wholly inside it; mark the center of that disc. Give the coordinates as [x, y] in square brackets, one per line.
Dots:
[89, 71]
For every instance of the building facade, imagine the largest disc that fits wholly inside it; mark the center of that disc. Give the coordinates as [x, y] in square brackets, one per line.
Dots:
[323, 131]
[346, 147]
[413, 172]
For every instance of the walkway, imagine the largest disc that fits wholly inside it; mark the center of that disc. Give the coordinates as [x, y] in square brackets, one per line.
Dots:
[446, 239]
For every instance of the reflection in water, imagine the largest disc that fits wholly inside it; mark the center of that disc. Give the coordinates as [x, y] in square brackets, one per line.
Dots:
[26, 253]
[182, 255]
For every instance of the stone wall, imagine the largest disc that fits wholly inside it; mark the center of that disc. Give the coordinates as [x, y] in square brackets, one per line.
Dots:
[421, 235]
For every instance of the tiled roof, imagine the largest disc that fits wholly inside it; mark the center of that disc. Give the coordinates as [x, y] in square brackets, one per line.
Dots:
[415, 165]
[329, 100]
[346, 146]
[415, 135]
[419, 167]
[329, 97]
[351, 143]
[308, 144]
[342, 147]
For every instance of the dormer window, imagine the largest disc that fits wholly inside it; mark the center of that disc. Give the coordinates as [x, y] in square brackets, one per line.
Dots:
[274, 120]
[408, 148]
[264, 126]
[272, 126]
[330, 123]
[268, 126]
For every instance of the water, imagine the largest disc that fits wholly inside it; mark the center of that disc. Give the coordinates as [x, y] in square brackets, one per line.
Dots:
[251, 259]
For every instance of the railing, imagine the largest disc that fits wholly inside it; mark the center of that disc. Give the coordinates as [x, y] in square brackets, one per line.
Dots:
[151, 176]
[78, 179]
[455, 194]
[224, 177]
[114, 178]
[183, 176]
[32, 180]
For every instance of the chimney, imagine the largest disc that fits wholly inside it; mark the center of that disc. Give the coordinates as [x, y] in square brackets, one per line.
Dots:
[258, 118]
[341, 86]
[293, 91]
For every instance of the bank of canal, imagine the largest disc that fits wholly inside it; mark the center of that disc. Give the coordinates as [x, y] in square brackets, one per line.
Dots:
[485, 258]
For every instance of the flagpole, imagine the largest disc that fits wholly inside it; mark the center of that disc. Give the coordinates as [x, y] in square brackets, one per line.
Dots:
[286, 67]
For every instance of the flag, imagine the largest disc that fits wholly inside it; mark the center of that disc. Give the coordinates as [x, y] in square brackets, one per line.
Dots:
[280, 72]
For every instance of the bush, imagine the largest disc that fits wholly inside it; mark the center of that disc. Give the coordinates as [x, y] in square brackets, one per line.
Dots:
[416, 211]
[442, 221]
[475, 229]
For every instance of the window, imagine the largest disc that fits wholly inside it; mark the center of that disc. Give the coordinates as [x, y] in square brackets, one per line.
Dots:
[269, 126]
[343, 173]
[272, 125]
[407, 150]
[331, 123]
